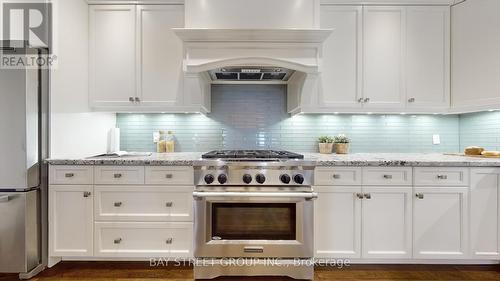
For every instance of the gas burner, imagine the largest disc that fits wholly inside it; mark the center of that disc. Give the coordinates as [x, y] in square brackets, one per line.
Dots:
[251, 154]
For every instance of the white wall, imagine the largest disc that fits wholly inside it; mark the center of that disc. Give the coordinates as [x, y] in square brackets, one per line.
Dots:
[75, 130]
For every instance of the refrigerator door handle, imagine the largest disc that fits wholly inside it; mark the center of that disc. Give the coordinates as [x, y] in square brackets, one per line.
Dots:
[4, 199]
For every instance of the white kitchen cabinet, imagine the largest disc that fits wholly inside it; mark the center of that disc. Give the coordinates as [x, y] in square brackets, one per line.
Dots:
[440, 224]
[428, 57]
[112, 55]
[475, 60]
[484, 213]
[337, 222]
[160, 55]
[387, 222]
[70, 220]
[341, 62]
[384, 30]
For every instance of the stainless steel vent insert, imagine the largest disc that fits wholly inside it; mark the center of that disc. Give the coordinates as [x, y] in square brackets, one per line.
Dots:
[251, 73]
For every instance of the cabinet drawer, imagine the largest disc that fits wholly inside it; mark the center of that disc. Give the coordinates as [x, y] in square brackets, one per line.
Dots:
[337, 176]
[143, 203]
[71, 175]
[119, 175]
[143, 239]
[170, 175]
[387, 176]
[441, 176]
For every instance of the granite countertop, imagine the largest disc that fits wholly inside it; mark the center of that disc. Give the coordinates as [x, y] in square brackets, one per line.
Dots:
[358, 159]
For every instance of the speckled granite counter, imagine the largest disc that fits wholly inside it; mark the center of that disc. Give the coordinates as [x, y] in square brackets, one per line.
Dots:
[359, 159]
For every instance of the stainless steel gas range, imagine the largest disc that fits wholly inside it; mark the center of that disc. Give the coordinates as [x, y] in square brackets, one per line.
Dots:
[252, 207]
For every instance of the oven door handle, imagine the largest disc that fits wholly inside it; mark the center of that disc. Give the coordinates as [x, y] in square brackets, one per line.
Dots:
[307, 196]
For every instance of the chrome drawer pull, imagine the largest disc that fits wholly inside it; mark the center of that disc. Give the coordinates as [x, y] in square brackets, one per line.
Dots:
[117, 176]
[388, 177]
[442, 177]
[336, 176]
[169, 204]
[118, 204]
[117, 241]
[169, 176]
[368, 196]
[419, 195]
[169, 240]
[87, 194]
[69, 175]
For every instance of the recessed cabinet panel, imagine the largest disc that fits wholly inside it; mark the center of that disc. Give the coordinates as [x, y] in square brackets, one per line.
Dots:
[341, 75]
[440, 223]
[112, 75]
[383, 57]
[428, 57]
[386, 229]
[337, 222]
[484, 213]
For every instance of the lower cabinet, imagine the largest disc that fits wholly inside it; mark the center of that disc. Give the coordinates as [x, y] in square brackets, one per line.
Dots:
[386, 228]
[71, 220]
[143, 239]
[373, 222]
[440, 224]
[484, 213]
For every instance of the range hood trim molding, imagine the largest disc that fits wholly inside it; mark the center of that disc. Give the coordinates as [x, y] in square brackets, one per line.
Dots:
[253, 35]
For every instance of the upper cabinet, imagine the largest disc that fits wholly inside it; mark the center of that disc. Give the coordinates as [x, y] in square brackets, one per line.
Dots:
[136, 60]
[476, 63]
[385, 59]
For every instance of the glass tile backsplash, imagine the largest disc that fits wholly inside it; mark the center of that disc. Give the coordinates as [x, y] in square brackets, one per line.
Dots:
[481, 129]
[255, 117]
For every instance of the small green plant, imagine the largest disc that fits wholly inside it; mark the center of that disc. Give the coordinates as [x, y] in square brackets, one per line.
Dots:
[325, 139]
[341, 139]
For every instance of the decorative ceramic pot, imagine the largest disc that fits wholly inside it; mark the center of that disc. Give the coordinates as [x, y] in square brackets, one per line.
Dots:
[325, 148]
[342, 148]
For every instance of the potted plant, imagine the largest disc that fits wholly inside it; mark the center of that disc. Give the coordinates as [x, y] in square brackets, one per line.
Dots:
[341, 144]
[325, 145]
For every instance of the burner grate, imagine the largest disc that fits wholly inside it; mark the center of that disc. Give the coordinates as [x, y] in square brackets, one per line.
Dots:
[251, 154]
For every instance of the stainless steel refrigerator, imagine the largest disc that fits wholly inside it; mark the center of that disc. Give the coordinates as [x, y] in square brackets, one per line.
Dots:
[24, 103]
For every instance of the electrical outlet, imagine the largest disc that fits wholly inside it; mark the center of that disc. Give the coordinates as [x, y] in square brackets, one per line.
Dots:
[436, 139]
[156, 137]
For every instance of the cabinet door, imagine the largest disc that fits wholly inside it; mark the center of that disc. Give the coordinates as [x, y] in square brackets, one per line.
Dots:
[383, 50]
[341, 64]
[386, 216]
[70, 220]
[484, 213]
[428, 57]
[337, 222]
[440, 223]
[160, 55]
[112, 77]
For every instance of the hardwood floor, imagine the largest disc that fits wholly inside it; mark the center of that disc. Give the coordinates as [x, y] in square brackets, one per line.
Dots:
[138, 271]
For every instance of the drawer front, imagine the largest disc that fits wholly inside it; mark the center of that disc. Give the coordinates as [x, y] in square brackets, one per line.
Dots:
[143, 239]
[119, 175]
[337, 176]
[143, 203]
[387, 176]
[170, 175]
[441, 176]
[71, 175]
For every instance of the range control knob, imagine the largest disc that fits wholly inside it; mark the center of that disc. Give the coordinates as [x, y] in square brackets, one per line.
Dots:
[247, 178]
[298, 179]
[209, 179]
[285, 178]
[260, 178]
[222, 178]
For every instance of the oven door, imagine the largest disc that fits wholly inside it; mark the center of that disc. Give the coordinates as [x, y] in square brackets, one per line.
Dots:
[251, 224]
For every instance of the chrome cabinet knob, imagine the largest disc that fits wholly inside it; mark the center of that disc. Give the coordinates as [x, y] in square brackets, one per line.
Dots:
[419, 195]
[169, 204]
[169, 176]
[442, 177]
[117, 176]
[411, 100]
[367, 100]
[131, 99]
[87, 194]
[336, 176]
[118, 204]
[360, 195]
[117, 241]
[137, 99]
[169, 240]
[69, 175]
[368, 196]
[387, 177]
[360, 100]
